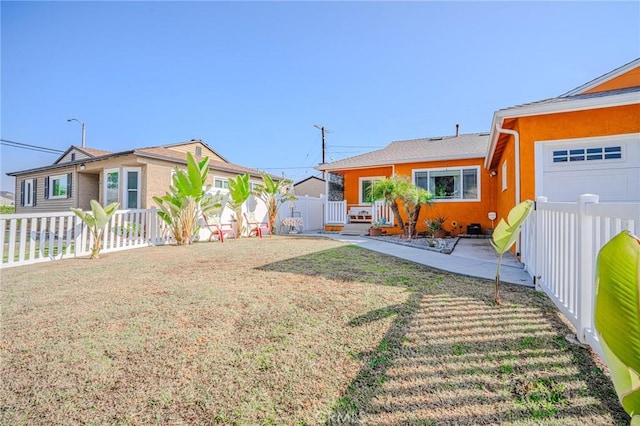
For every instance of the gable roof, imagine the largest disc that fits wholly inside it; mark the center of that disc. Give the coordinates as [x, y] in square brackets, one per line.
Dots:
[471, 145]
[633, 66]
[89, 152]
[308, 178]
[161, 152]
[579, 99]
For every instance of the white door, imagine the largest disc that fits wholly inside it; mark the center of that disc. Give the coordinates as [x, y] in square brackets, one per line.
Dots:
[606, 166]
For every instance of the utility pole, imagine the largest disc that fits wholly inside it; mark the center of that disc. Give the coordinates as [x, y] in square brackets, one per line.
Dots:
[322, 129]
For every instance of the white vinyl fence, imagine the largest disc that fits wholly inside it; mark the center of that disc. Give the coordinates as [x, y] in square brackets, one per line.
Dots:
[42, 237]
[560, 245]
[309, 209]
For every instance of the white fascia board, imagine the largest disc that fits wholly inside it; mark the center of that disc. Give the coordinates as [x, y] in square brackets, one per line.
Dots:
[555, 108]
[603, 78]
[406, 161]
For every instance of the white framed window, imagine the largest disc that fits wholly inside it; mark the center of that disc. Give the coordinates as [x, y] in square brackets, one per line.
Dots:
[504, 175]
[111, 185]
[131, 188]
[365, 186]
[220, 183]
[450, 184]
[58, 186]
[198, 151]
[28, 193]
[253, 186]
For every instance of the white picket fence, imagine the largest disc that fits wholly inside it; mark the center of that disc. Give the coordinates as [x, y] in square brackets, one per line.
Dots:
[560, 245]
[43, 237]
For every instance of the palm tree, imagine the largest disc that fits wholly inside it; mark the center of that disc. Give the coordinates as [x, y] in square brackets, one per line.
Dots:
[413, 199]
[271, 192]
[395, 189]
[390, 190]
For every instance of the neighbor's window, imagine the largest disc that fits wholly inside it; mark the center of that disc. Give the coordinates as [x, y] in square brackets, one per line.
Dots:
[58, 186]
[365, 189]
[221, 183]
[449, 184]
[131, 195]
[198, 151]
[27, 193]
[112, 186]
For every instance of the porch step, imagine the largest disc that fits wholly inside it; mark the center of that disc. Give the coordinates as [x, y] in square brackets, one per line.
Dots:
[355, 229]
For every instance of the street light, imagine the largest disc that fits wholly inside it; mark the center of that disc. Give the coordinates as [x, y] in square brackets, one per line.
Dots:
[75, 119]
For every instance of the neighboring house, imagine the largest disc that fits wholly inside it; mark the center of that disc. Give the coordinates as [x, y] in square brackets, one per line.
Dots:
[312, 186]
[131, 177]
[584, 141]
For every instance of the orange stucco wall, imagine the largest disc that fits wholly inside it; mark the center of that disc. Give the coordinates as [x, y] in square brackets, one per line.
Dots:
[352, 181]
[463, 212]
[569, 125]
[629, 79]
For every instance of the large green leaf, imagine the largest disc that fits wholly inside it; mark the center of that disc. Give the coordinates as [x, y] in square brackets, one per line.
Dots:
[617, 316]
[506, 233]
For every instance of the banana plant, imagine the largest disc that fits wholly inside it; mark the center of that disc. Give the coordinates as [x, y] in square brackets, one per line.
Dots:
[506, 234]
[96, 221]
[271, 192]
[617, 317]
[239, 192]
[187, 200]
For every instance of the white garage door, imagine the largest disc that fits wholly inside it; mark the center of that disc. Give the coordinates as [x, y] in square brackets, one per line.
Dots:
[605, 166]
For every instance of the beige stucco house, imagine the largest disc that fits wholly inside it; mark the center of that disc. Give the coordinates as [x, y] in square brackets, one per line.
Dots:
[132, 177]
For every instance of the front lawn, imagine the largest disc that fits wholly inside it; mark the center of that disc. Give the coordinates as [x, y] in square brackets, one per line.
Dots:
[284, 331]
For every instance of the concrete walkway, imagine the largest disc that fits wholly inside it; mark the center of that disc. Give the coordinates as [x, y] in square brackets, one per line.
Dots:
[471, 257]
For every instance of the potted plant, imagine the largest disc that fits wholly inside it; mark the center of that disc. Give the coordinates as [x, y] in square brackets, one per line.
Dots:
[375, 230]
[435, 226]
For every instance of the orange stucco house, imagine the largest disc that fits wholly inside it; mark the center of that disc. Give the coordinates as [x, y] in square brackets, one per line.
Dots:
[584, 141]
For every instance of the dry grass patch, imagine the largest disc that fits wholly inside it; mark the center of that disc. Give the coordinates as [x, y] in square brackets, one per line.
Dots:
[283, 331]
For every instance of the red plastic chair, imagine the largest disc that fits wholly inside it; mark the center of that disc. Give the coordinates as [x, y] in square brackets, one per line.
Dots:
[217, 229]
[257, 228]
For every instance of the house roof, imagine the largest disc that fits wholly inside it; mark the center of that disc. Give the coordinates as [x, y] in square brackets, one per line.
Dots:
[89, 152]
[578, 99]
[604, 78]
[471, 145]
[162, 152]
[308, 178]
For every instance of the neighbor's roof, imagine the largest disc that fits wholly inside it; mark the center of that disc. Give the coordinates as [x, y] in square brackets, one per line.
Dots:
[308, 178]
[162, 152]
[471, 145]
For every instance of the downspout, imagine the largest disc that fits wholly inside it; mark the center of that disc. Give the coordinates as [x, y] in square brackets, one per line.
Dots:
[516, 138]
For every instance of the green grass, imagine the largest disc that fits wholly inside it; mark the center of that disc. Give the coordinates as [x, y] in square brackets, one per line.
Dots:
[284, 331]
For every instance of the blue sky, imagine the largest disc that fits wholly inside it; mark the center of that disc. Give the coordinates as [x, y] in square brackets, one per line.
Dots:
[252, 78]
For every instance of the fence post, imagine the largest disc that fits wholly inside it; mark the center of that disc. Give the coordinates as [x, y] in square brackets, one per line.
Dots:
[585, 256]
[153, 227]
[539, 248]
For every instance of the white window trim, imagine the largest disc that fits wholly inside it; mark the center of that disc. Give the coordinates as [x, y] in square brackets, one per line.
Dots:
[461, 168]
[125, 189]
[104, 186]
[28, 193]
[223, 179]
[51, 186]
[360, 180]
[504, 176]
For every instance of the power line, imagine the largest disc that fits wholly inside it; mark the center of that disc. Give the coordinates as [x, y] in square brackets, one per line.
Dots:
[30, 147]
